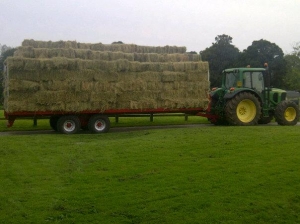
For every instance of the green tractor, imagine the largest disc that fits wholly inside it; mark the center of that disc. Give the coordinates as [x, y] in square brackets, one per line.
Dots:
[246, 98]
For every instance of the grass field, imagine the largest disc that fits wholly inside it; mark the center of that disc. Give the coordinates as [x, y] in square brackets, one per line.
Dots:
[185, 175]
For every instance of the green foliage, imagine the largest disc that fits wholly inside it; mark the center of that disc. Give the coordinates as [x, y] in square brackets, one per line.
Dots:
[186, 175]
[263, 51]
[5, 52]
[221, 55]
[117, 42]
[292, 78]
[296, 49]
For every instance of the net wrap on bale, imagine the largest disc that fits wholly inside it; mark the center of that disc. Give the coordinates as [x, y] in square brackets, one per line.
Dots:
[76, 77]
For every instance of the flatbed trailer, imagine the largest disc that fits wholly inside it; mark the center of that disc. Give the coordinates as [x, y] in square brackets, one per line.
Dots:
[95, 121]
[79, 86]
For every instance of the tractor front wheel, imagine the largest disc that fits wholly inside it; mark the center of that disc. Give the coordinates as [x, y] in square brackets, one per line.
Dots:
[243, 109]
[287, 113]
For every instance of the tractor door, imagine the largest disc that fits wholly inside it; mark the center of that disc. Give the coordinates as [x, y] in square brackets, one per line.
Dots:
[254, 80]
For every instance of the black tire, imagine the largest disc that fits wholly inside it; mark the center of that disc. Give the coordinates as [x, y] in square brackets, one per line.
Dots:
[219, 122]
[265, 120]
[68, 124]
[287, 113]
[53, 122]
[99, 124]
[243, 109]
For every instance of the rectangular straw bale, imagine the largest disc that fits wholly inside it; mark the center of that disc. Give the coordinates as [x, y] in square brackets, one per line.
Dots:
[154, 86]
[23, 85]
[19, 105]
[84, 45]
[50, 97]
[49, 44]
[42, 53]
[149, 76]
[27, 52]
[98, 47]
[15, 63]
[77, 106]
[105, 76]
[104, 96]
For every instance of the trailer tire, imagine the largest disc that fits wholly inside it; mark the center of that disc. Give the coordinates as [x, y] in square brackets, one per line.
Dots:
[68, 124]
[53, 122]
[243, 109]
[287, 113]
[99, 124]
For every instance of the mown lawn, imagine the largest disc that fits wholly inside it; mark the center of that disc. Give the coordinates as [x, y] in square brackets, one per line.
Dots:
[185, 175]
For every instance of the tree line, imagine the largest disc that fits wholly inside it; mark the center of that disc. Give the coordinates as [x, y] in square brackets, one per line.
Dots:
[285, 69]
[222, 54]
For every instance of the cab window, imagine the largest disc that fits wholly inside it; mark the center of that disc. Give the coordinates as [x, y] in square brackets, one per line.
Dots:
[253, 80]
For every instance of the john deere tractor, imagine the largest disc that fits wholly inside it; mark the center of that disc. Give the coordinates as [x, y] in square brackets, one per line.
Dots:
[246, 98]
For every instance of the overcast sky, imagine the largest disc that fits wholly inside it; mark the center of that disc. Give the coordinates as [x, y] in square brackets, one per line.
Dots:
[190, 23]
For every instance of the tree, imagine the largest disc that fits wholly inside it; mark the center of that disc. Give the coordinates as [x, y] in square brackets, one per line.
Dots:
[117, 42]
[263, 51]
[5, 52]
[296, 50]
[221, 55]
[292, 77]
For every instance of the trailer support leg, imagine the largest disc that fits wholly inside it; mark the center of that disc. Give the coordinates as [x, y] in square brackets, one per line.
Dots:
[34, 122]
[10, 122]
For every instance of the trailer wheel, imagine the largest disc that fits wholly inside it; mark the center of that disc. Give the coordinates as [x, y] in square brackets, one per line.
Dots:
[243, 109]
[287, 113]
[53, 122]
[99, 124]
[68, 124]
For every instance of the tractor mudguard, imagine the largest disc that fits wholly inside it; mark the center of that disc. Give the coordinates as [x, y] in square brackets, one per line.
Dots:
[230, 95]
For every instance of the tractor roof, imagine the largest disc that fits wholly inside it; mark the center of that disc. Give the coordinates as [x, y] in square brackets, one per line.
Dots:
[244, 69]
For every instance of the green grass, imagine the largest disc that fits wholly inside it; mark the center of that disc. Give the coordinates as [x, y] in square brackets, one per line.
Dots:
[184, 175]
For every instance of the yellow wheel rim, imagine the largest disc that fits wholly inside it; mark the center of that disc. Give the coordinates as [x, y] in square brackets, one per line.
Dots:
[290, 114]
[246, 111]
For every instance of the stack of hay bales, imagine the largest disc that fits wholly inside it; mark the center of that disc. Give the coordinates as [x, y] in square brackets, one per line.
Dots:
[77, 77]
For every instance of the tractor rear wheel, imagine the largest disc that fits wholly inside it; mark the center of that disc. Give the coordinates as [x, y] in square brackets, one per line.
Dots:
[219, 121]
[243, 109]
[287, 113]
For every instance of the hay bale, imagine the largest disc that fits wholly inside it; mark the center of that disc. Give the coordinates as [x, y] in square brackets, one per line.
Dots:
[126, 48]
[59, 76]
[49, 44]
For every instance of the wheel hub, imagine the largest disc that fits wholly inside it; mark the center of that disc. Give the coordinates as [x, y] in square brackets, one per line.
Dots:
[99, 125]
[290, 114]
[246, 111]
[242, 111]
[69, 126]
